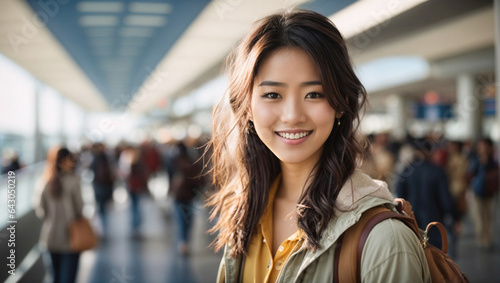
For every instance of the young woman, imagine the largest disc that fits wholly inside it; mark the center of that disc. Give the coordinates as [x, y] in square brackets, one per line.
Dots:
[58, 203]
[284, 158]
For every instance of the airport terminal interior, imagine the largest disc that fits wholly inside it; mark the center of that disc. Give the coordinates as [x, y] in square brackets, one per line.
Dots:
[129, 81]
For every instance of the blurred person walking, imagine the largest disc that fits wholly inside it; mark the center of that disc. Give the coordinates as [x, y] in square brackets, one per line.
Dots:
[150, 157]
[456, 169]
[103, 182]
[425, 185]
[383, 158]
[184, 183]
[483, 175]
[58, 201]
[136, 179]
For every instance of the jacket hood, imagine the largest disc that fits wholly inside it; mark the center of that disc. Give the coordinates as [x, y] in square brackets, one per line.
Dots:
[359, 193]
[358, 187]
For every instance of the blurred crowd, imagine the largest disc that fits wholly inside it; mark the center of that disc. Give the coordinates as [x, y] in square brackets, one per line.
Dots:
[58, 197]
[133, 166]
[443, 179]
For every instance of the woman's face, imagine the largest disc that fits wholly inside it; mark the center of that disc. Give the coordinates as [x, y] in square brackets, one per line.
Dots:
[289, 109]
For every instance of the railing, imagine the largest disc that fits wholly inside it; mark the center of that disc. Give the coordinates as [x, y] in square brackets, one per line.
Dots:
[19, 244]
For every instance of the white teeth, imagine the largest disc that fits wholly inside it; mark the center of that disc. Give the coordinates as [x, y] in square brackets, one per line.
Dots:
[292, 136]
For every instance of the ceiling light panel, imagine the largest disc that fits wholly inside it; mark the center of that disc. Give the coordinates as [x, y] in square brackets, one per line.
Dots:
[100, 32]
[145, 21]
[97, 21]
[150, 8]
[127, 41]
[103, 41]
[136, 32]
[100, 7]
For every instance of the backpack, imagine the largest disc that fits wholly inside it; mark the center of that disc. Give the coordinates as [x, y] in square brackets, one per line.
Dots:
[351, 243]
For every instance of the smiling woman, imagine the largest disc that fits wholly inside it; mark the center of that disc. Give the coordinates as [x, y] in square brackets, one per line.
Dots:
[284, 155]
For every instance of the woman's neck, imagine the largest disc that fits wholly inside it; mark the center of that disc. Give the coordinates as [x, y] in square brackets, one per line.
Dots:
[293, 181]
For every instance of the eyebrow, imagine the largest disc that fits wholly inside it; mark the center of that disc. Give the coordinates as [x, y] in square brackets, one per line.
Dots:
[271, 83]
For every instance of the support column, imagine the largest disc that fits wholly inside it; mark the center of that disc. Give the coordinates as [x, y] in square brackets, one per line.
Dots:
[84, 127]
[469, 108]
[396, 106]
[37, 135]
[62, 133]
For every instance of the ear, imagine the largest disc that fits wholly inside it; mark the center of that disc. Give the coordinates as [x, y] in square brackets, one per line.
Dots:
[339, 114]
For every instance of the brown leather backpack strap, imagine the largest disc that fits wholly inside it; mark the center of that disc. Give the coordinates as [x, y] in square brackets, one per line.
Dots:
[442, 231]
[346, 255]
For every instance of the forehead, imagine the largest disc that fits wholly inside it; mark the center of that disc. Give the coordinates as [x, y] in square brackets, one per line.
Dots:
[290, 63]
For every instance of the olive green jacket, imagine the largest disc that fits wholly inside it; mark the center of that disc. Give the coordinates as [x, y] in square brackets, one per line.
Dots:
[392, 252]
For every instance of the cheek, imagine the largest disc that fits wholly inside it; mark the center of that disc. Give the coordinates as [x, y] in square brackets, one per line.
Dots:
[262, 114]
[324, 115]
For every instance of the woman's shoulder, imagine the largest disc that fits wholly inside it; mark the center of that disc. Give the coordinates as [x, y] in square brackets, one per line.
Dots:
[391, 245]
[394, 235]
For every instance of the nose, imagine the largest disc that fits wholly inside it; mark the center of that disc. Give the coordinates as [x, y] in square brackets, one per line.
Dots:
[293, 111]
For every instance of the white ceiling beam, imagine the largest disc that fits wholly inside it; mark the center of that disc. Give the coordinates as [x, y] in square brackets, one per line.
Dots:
[40, 53]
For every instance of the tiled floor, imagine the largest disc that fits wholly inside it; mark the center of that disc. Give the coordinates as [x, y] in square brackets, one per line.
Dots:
[152, 257]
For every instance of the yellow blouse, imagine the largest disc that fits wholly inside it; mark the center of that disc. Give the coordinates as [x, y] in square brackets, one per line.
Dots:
[260, 265]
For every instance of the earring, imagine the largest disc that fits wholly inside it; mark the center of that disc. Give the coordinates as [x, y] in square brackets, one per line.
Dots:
[338, 123]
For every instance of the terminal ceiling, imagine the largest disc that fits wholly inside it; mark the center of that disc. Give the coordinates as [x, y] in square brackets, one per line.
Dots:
[110, 55]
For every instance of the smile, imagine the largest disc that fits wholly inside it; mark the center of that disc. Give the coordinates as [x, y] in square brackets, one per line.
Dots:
[294, 136]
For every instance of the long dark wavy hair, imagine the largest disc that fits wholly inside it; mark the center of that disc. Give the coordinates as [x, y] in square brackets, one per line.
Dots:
[53, 171]
[244, 168]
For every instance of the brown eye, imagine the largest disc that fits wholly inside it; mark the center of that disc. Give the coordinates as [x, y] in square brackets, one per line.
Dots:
[314, 95]
[271, 95]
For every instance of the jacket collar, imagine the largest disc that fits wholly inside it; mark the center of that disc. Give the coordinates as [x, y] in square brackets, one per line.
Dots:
[359, 193]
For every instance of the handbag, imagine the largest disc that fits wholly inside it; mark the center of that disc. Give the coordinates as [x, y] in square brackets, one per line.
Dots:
[82, 236]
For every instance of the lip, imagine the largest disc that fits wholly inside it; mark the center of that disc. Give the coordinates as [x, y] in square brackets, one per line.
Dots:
[294, 141]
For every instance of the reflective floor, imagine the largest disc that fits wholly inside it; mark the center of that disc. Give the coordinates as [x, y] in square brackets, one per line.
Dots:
[151, 256]
[480, 265]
